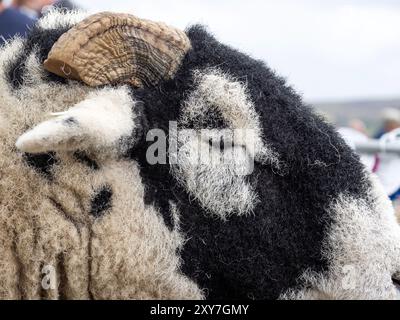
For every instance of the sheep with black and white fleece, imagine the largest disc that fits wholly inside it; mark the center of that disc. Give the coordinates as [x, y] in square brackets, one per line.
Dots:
[84, 214]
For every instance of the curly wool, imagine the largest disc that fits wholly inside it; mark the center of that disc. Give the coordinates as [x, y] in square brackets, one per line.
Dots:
[60, 210]
[116, 226]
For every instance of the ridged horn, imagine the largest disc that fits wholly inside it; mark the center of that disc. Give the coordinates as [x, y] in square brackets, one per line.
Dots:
[110, 48]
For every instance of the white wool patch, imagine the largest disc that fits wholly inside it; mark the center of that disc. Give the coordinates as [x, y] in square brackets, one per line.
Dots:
[221, 187]
[96, 124]
[217, 183]
[8, 53]
[34, 70]
[173, 208]
[219, 91]
[363, 249]
[56, 18]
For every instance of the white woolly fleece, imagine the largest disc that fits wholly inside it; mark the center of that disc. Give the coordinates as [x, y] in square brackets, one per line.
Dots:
[220, 188]
[128, 253]
[215, 89]
[56, 18]
[215, 179]
[363, 249]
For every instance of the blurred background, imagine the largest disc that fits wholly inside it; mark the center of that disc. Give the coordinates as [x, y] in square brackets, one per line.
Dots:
[342, 56]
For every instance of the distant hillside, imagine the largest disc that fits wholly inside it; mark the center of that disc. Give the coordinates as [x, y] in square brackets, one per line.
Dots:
[369, 111]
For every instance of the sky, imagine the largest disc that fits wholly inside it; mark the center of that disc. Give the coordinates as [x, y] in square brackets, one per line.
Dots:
[332, 50]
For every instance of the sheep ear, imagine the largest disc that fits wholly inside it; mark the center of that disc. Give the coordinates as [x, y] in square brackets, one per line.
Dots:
[96, 123]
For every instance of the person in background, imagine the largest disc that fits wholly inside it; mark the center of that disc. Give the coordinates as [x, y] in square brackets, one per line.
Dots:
[35, 8]
[358, 125]
[391, 121]
[32, 8]
[12, 23]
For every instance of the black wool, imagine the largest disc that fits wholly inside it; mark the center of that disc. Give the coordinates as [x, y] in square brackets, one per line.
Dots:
[262, 255]
[43, 163]
[40, 41]
[101, 202]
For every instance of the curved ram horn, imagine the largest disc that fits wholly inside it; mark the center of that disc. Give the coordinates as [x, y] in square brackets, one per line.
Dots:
[118, 48]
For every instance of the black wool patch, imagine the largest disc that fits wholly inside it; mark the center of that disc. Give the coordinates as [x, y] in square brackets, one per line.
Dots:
[84, 158]
[42, 163]
[41, 41]
[101, 202]
[262, 255]
[71, 121]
